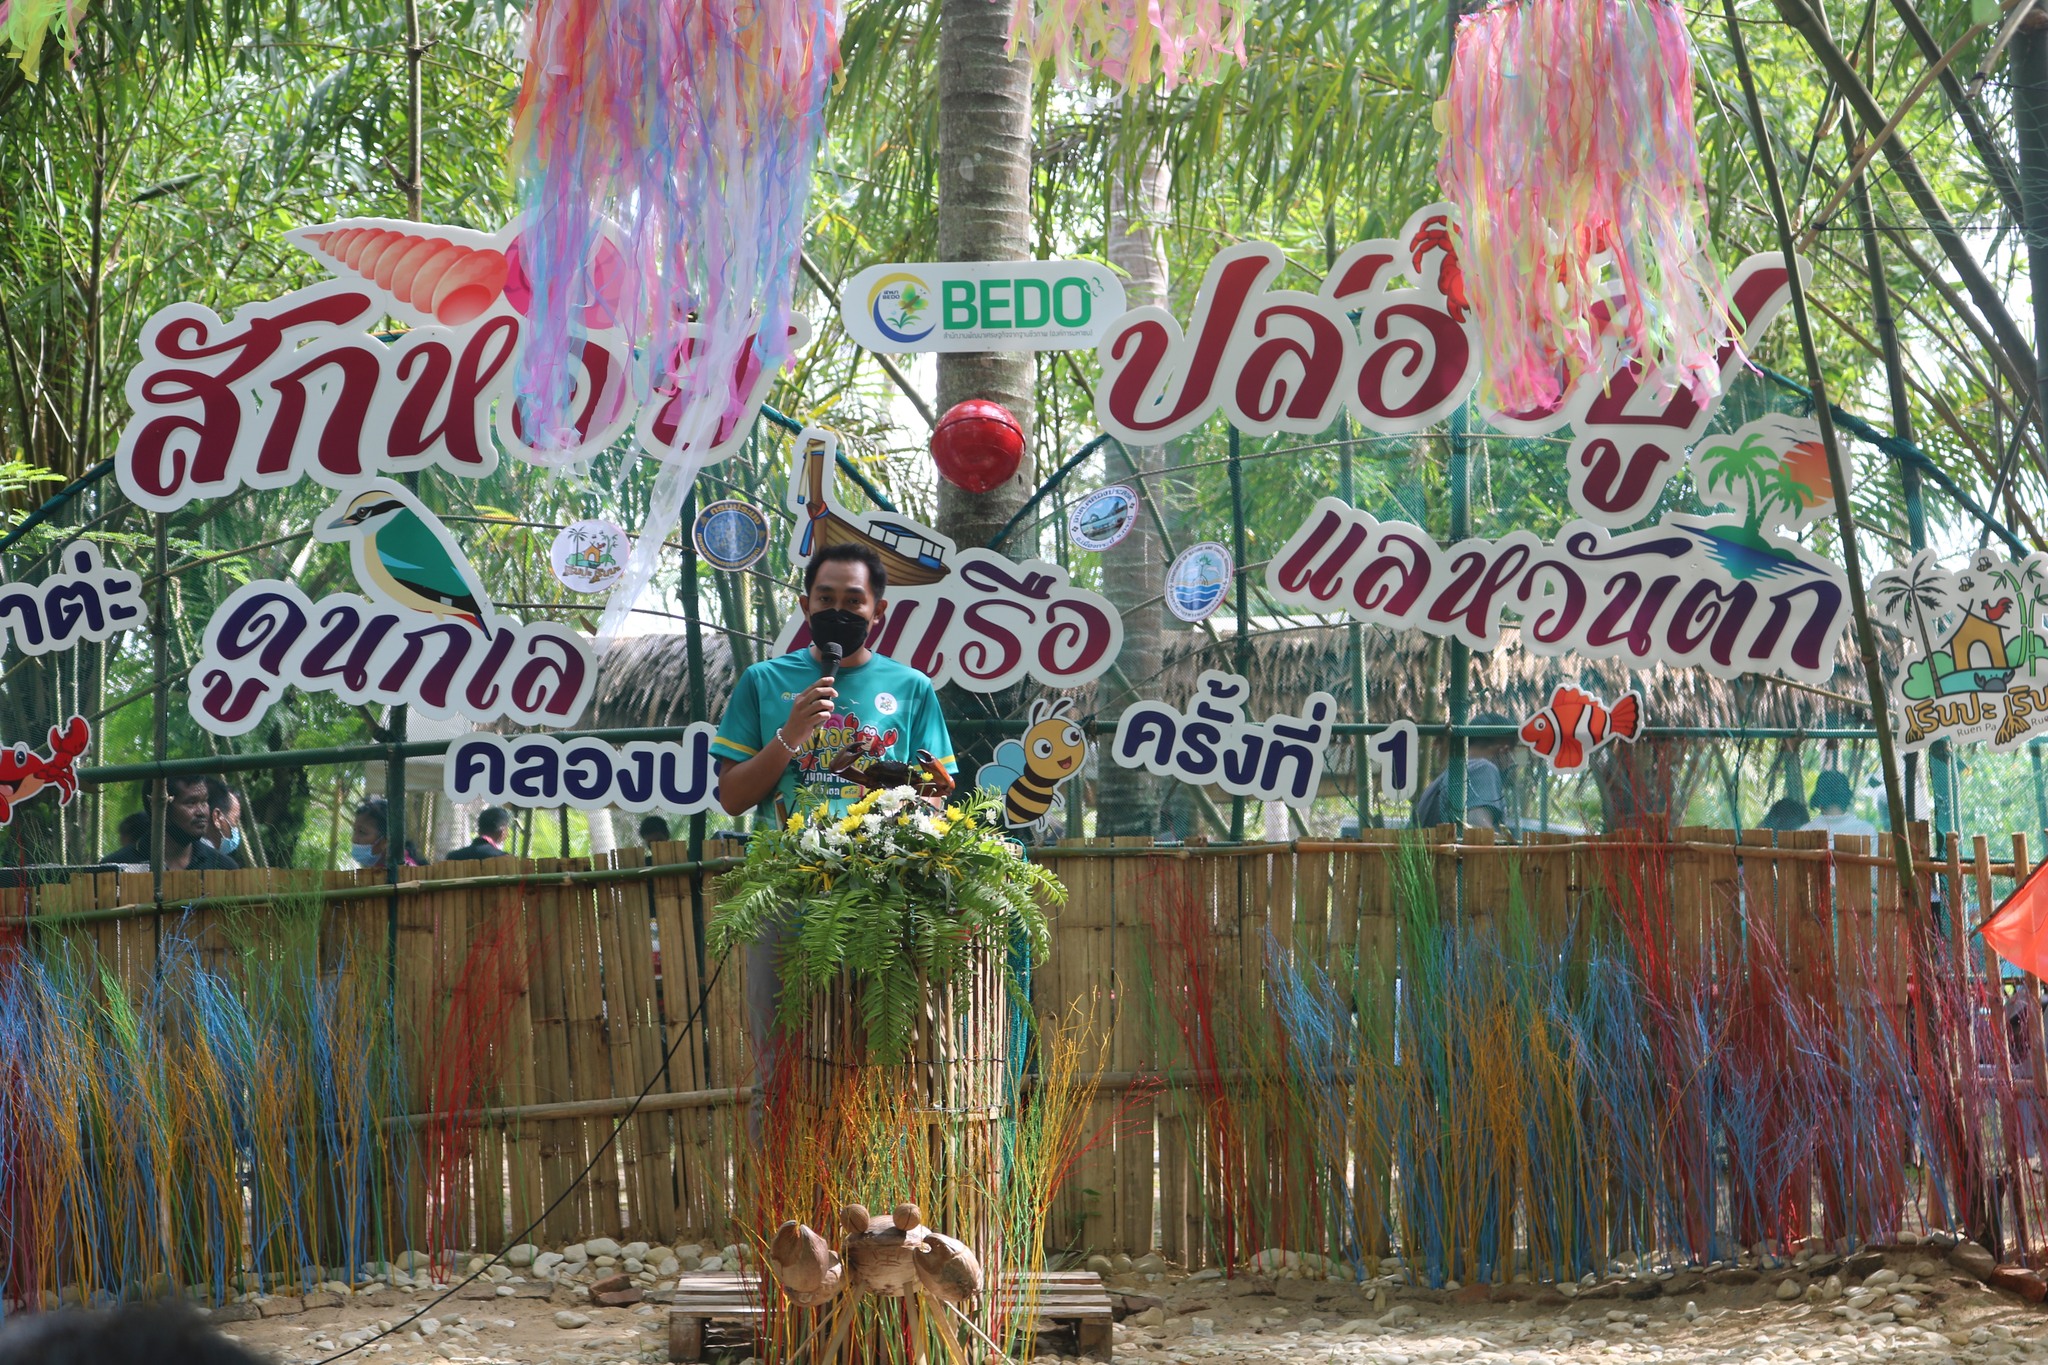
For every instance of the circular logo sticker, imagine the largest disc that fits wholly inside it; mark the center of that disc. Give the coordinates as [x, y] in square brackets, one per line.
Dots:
[1104, 517]
[885, 702]
[590, 556]
[731, 534]
[1197, 581]
[898, 303]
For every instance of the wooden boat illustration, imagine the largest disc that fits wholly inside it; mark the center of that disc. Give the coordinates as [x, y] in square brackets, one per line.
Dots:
[908, 552]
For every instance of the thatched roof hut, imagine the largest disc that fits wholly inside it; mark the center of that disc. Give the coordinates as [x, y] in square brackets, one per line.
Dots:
[645, 680]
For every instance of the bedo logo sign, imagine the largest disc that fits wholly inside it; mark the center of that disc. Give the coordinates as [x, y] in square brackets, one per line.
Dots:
[981, 306]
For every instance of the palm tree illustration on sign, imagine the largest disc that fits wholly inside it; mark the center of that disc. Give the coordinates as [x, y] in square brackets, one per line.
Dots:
[1774, 472]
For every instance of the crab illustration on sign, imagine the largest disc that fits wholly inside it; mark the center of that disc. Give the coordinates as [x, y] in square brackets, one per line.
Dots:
[24, 772]
[1029, 773]
[1983, 666]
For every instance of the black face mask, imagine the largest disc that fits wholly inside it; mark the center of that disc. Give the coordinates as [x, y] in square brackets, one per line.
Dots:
[848, 630]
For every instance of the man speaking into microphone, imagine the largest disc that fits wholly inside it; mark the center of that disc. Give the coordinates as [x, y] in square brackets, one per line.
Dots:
[790, 717]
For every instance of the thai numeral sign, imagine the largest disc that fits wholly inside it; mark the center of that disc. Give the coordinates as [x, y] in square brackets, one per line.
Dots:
[1389, 337]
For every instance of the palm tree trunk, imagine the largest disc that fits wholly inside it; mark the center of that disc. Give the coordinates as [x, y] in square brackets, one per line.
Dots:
[984, 215]
[1134, 571]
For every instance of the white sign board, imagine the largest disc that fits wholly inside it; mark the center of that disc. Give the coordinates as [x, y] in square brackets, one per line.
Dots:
[981, 306]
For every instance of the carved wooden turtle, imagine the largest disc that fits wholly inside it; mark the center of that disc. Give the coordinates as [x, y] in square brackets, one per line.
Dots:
[809, 1271]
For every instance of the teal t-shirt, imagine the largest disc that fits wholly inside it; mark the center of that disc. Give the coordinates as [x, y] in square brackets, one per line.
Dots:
[888, 706]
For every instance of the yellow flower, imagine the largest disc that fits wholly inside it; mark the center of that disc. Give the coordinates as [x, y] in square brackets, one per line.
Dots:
[796, 823]
[851, 822]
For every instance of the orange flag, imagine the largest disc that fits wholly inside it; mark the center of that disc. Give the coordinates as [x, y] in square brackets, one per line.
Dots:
[2018, 930]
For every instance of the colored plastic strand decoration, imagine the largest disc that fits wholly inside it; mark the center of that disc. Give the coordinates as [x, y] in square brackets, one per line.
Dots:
[694, 125]
[1131, 42]
[25, 26]
[1570, 152]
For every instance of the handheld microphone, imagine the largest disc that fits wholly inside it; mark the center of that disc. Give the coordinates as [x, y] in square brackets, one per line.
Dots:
[833, 652]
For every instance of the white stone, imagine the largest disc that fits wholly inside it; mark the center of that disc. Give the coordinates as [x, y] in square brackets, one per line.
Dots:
[522, 1255]
[575, 1253]
[429, 1326]
[633, 1265]
[712, 1264]
[414, 1260]
[1205, 1274]
[637, 1250]
[545, 1263]
[601, 1246]
[691, 1261]
[1201, 1327]
[506, 1291]
[1400, 1312]
[1151, 1317]
[1788, 1290]
[1692, 1311]
[1877, 1278]
[565, 1320]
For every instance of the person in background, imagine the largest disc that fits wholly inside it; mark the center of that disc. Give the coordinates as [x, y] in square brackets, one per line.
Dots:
[654, 830]
[1831, 802]
[1488, 762]
[140, 1334]
[491, 828]
[188, 819]
[133, 829]
[224, 811]
[1786, 814]
[369, 842]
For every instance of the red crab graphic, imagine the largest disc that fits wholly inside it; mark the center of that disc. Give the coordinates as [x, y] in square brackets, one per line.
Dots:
[1435, 235]
[23, 772]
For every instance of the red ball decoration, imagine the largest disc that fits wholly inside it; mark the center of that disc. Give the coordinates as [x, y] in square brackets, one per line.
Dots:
[978, 445]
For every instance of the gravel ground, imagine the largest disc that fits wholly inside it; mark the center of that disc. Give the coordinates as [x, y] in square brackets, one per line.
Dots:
[1909, 1303]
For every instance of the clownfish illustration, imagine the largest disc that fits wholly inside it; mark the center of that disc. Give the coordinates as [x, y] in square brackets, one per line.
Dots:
[1030, 772]
[1576, 723]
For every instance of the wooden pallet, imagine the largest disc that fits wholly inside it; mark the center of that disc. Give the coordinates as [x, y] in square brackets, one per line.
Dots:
[1073, 1298]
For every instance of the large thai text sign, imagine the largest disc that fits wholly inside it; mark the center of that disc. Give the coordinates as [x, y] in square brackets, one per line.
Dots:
[1389, 338]
[1681, 592]
[298, 387]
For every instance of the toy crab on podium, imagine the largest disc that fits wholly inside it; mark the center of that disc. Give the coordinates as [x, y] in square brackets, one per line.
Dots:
[893, 1257]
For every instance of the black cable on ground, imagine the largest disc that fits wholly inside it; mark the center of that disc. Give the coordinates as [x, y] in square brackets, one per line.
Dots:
[519, 1238]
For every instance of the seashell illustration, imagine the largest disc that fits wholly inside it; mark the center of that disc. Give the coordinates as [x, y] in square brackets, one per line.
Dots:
[450, 282]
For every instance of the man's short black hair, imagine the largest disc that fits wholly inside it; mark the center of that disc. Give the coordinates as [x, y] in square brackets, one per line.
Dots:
[219, 793]
[184, 782]
[494, 821]
[653, 830]
[133, 829]
[379, 810]
[1491, 741]
[849, 551]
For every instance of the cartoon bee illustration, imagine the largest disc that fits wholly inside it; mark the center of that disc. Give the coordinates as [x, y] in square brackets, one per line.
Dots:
[1029, 772]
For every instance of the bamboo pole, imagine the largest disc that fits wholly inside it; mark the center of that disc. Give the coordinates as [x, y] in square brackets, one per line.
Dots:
[1845, 515]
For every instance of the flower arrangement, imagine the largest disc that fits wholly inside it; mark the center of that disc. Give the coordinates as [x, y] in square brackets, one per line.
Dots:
[895, 892]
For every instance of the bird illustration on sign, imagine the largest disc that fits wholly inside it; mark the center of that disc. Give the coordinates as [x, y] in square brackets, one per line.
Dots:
[1029, 772]
[403, 556]
[1576, 723]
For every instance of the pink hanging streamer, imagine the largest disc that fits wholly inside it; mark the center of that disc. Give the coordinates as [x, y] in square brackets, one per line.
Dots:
[693, 124]
[1570, 152]
[26, 24]
[1131, 42]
